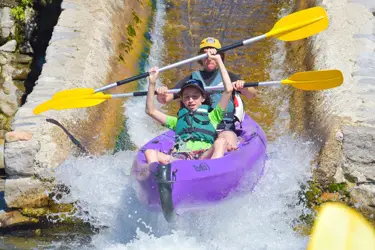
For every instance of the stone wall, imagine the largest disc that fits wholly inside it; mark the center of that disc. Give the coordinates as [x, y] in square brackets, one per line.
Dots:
[81, 53]
[8, 3]
[345, 116]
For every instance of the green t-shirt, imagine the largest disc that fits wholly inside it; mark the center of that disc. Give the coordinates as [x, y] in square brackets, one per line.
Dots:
[215, 117]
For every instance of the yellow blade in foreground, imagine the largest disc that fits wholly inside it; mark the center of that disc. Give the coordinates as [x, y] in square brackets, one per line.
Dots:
[71, 93]
[72, 103]
[339, 227]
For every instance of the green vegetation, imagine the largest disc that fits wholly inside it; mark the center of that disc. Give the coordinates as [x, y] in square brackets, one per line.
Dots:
[130, 34]
[19, 16]
[18, 12]
[314, 195]
[131, 30]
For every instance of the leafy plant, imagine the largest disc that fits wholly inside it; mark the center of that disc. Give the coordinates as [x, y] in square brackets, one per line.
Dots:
[18, 13]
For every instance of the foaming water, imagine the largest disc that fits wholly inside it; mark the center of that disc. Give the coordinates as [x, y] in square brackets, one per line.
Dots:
[263, 219]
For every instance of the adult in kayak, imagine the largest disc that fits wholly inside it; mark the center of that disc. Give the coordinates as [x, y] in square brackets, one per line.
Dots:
[196, 124]
[210, 76]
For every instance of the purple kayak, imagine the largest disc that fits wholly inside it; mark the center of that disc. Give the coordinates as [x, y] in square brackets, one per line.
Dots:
[191, 184]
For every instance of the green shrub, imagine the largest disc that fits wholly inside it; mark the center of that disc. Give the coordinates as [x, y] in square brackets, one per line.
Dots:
[18, 13]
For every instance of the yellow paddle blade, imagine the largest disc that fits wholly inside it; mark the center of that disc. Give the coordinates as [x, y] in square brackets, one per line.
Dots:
[72, 102]
[71, 93]
[315, 80]
[300, 24]
[339, 227]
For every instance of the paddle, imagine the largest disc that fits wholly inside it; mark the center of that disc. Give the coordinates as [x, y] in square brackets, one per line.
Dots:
[339, 227]
[311, 80]
[293, 27]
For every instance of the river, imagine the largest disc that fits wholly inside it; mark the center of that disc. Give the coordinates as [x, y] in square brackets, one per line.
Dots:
[263, 219]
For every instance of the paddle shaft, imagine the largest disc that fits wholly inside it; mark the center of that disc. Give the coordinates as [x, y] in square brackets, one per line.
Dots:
[174, 65]
[208, 89]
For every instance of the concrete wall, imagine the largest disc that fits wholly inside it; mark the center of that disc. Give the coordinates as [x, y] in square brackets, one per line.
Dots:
[81, 53]
[346, 115]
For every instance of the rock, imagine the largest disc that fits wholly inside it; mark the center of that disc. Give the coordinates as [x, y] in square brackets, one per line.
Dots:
[3, 59]
[25, 192]
[3, 121]
[359, 144]
[23, 59]
[1, 153]
[19, 157]
[26, 48]
[8, 99]
[7, 26]
[339, 136]
[30, 26]
[8, 125]
[8, 3]
[20, 73]
[330, 159]
[9, 46]
[18, 136]
[15, 218]
[364, 196]
[8, 105]
[330, 197]
[358, 172]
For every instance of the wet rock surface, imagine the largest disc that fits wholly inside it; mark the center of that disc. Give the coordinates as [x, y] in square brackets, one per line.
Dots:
[348, 111]
[14, 218]
[358, 145]
[9, 46]
[6, 24]
[25, 192]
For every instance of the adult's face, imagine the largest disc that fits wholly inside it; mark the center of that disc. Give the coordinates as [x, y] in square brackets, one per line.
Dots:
[208, 64]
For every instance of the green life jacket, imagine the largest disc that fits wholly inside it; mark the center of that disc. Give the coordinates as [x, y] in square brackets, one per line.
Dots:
[215, 97]
[195, 125]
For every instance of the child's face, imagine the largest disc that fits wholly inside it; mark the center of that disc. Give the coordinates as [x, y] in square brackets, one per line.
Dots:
[192, 98]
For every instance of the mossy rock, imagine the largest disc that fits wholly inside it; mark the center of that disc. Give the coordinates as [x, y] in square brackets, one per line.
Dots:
[20, 85]
[2, 80]
[3, 121]
[61, 213]
[44, 211]
[8, 125]
[313, 195]
[35, 212]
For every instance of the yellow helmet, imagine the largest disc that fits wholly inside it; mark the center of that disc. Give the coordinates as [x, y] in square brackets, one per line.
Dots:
[210, 42]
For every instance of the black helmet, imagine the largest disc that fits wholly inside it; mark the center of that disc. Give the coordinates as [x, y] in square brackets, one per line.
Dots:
[195, 83]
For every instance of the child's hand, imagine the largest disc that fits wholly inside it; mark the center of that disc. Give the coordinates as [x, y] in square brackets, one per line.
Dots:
[163, 91]
[212, 54]
[153, 75]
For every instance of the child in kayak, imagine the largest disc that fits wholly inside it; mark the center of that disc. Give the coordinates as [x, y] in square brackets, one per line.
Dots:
[196, 123]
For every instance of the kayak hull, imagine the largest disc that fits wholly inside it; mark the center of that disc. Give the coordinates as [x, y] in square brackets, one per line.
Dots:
[196, 183]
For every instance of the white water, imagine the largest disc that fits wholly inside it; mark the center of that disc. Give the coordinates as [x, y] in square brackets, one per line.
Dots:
[263, 219]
